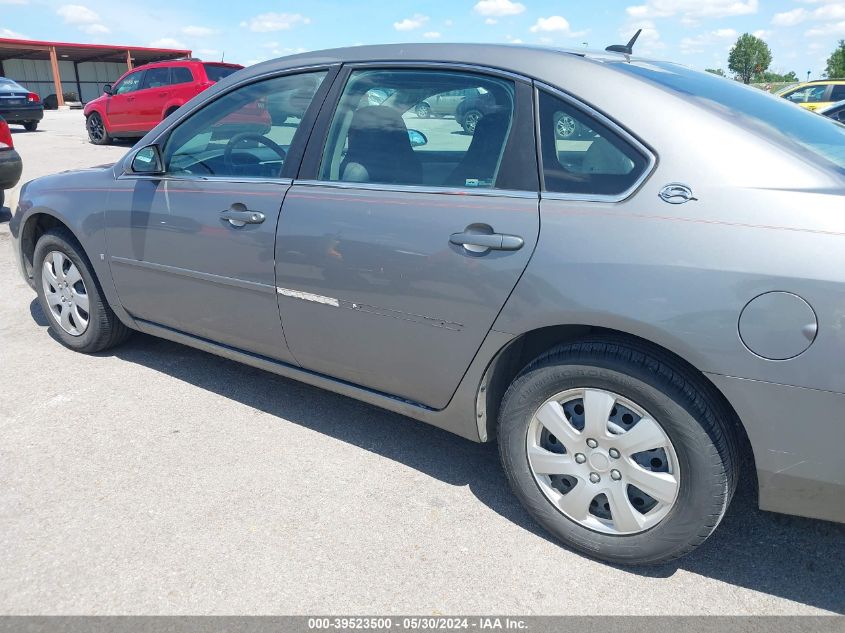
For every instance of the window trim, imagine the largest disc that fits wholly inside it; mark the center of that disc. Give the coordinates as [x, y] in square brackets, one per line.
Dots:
[294, 156]
[628, 137]
[523, 109]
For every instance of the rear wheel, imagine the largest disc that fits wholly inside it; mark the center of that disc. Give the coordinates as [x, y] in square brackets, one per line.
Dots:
[423, 110]
[97, 133]
[31, 126]
[70, 296]
[471, 120]
[618, 451]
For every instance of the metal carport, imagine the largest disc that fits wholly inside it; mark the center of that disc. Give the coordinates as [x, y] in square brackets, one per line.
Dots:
[62, 66]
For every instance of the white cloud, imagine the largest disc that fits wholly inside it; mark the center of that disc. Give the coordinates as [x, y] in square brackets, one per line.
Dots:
[409, 24]
[832, 11]
[648, 41]
[77, 14]
[12, 34]
[83, 18]
[692, 10]
[555, 24]
[95, 29]
[447, 23]
[431, 35]
[14, 2]
[698, 43]
[824, 30]
[762, 34]
[197, 31]
[268, 22]
[167, 42]
[491, 21]
[498, 8]
[790, 18]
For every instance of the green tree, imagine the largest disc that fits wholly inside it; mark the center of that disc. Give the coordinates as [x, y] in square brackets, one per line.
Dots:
[715, 71]
[750, 56]
[771, 77]
[836, 62]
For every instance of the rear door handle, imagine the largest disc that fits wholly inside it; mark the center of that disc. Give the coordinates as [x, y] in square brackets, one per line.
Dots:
[240, 218]
[477, 242]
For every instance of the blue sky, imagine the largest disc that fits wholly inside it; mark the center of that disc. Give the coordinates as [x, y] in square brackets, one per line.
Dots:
[801, 33]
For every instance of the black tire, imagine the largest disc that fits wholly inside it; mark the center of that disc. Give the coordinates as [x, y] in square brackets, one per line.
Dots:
[701, 430]
[104, 329]
[2, 198]
[423, 110]
[31, 126]
[96, 129]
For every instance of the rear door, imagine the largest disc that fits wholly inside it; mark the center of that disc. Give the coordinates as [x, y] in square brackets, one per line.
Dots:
[152, 97]
[405, 236]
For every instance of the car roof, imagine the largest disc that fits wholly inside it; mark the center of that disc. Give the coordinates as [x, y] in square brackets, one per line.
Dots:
[183, 62]
[821, 82]
[520, 59]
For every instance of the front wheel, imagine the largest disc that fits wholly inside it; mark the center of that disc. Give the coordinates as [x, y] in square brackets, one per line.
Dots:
[97, 133]
[31, 126]
[618, 451]
[566, 127]
[70, 296]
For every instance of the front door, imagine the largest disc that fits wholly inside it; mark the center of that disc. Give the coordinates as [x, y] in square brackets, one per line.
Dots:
[121, 108]
[193, 249]
[395, 256]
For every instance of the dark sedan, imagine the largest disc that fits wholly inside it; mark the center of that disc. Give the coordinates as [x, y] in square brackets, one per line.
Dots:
[19, 105]
[835, 111]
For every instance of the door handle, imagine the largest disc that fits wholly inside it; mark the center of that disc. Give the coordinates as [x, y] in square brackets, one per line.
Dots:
[240, 218]
[480, 242]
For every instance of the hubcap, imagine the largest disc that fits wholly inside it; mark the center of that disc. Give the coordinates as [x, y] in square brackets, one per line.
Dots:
[603, 461]
[66, 293]
[472, 120]
[95, 127]
[565, 126]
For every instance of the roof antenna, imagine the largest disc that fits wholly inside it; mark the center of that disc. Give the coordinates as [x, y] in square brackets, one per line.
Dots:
[625, 49]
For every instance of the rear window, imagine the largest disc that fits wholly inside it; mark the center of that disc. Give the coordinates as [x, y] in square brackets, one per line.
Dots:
[816, 138]
[216, 72]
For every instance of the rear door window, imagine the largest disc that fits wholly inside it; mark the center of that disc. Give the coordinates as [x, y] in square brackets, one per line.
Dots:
[156, 78]
[392, 141]
[583, 156]
[837, 93]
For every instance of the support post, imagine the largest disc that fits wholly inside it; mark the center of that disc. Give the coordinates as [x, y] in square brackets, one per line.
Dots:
[57, 79]
[129, 65]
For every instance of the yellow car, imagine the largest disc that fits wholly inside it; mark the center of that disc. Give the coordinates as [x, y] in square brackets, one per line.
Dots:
[815, 94]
